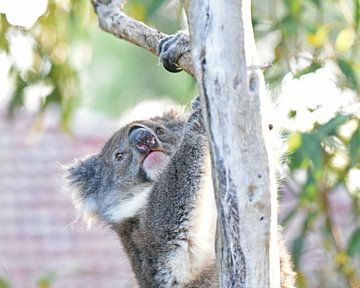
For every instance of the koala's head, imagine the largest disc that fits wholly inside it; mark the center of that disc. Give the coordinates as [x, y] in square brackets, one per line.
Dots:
[114, 184]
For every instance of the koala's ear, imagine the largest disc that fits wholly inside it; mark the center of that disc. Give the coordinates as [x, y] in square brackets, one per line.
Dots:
[83, 180]
[83, 174]
[175, 114]
[175, 118]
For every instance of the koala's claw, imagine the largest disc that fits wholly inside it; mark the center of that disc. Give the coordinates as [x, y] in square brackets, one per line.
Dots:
[171, 49]
[196, 103]
[196, 122]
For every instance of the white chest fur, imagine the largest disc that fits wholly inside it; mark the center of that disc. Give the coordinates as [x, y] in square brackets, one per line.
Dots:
[198, 252]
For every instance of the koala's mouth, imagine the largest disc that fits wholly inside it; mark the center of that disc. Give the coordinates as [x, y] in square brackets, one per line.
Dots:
[154, 160]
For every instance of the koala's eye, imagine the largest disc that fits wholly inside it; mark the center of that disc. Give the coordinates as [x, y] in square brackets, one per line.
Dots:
[159, 131]
[118, 156]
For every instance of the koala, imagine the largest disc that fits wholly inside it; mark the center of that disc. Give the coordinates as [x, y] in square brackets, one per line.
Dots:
[151, 184]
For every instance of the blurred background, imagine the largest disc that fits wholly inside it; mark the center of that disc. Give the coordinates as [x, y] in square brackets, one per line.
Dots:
[66, 86]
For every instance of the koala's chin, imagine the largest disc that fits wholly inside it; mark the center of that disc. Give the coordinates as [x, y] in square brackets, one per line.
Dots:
[154, 163]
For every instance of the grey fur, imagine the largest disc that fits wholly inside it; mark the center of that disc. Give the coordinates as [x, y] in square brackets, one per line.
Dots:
[162, 229]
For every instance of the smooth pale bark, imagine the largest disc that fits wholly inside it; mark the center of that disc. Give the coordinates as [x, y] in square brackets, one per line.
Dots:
[226, 68]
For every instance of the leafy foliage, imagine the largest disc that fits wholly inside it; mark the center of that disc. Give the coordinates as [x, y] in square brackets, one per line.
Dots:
[314, 154]
[310, 34]
[64, 39]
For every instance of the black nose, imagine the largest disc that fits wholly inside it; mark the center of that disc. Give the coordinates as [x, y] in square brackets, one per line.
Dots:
[142, 139]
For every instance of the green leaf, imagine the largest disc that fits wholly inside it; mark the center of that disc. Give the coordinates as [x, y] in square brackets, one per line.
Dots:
[354, 244]
[310, 69]
[330, 128]
[312, 150]
[319, 38]
[298, 243]
[349, 73]
[301, 280]
[294, 142]
[355, 147]
[4, 284]
[297, 248]
[310, 192]
[357, 14]
[345, 39]
[289, 216]
[317, 3]
[153, 7]
[288, 26]
[46, 280]
[294, 7]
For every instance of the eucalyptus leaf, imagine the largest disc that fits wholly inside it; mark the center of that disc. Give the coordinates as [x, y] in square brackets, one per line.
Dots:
[354, 147]
[353, 248]
[4, 283]
[330, 128]
[153, 7]
[348, 71]
[309, 69]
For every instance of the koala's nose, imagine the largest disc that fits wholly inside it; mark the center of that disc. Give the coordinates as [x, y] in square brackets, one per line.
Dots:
[142, 139]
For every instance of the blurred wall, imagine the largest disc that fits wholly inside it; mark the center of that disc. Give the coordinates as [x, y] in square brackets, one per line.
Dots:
[38, 242]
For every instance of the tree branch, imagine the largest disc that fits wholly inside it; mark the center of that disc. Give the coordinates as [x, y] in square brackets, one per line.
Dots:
[112, 19]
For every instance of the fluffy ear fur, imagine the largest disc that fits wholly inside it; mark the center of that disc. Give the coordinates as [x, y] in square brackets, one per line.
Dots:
[84, 175]
[83, 180]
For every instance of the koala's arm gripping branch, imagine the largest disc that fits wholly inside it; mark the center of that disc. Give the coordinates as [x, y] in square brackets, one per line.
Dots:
[183, 177]
[112, 19]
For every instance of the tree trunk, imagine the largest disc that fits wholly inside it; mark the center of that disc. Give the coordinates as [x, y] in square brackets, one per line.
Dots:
[230, 82]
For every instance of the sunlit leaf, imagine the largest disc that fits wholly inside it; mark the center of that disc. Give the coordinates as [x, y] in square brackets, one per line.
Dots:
[294, 142]
[318, 38]
[330, 128]
[289, 26]
[293, 6]
[341, 258]
[353, 248]
[310, 69]
[345, 39]
[153, 7]
[301, 280]
[312, 149]
[17, 98]
[297, 248]
[46, 280]
[4, 284]
[289, 216]
[136, 10]
[4, 25]
[317, 3]
[349, 72]
[299, 242]
[310, 192]
[355, 147]
[357, 14]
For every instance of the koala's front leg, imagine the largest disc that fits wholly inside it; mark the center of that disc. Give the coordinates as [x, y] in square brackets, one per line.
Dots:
[171, 49]
[170, 211]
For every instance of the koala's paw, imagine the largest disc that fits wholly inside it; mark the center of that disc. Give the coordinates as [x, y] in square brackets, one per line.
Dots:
[196, 122]
[196, 103]
[171, 49]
